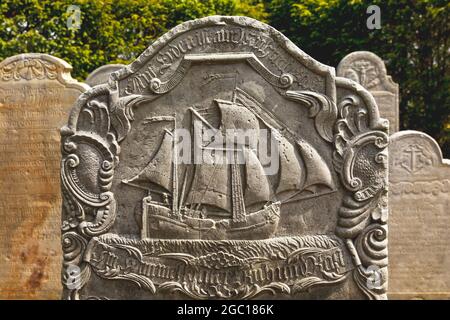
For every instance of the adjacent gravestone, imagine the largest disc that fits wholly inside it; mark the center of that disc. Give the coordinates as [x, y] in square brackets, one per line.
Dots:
[419, 200]
[369, 70]
[36, 93]
[101, 74]
[225, 163]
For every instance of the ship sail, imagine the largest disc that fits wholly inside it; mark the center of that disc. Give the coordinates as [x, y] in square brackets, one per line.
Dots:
[209, 188]
[238, 118]
[301, 166]
[317, 174]
[291, 175]
[257, 188]
[294, 181]
[208, 185]
[159, 170]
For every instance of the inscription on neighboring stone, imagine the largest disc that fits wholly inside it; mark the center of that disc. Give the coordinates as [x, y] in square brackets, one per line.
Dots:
[101, 74]
[225, 163]
[36, 92]
[419, 200]
[369, 70]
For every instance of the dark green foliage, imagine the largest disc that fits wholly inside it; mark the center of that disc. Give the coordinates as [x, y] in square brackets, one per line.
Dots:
[112, 31]
[414, 40]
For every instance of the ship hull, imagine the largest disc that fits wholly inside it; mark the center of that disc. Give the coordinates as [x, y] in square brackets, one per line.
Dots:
[160, 222]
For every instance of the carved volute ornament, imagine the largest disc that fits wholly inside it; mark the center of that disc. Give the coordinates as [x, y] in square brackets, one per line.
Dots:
[303, 216]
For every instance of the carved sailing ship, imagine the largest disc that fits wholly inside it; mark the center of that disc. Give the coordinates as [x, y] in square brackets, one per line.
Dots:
[226, 200]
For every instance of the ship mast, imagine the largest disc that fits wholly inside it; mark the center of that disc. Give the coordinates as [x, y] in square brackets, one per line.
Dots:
[174, 170]
[237, 194]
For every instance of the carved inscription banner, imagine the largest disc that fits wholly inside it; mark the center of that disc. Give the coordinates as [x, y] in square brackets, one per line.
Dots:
[369, 70]
[225, 163]
[36, 93]
[419, 201]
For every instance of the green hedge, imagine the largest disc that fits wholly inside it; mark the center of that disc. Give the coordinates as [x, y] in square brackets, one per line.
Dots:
[413, 39]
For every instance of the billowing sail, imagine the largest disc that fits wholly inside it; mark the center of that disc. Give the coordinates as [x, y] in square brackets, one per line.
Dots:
[210, 186]
[294, 178]
[317, 171]
[257, 188]
[159, 170]
[309, 173]
[291, 174]
[301, 167]
[239, 118]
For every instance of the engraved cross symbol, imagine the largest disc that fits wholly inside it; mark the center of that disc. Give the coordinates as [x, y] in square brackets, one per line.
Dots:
[366, 73]
[415, 159]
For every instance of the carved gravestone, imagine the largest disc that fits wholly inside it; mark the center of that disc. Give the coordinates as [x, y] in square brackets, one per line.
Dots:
[369, 70]
[36, 94]
[419, 200]
[225, 163]
[101, 74]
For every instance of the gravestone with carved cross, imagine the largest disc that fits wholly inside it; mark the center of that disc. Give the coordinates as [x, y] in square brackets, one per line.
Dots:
[419, 201]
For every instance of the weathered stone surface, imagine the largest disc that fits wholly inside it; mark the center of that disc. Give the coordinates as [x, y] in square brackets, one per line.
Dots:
[101, 74]
[369, 70]
[36, 93]
[145, 217]
[419, 202]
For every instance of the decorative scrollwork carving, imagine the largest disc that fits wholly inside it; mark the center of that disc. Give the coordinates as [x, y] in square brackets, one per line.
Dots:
[73, 246]
[89, 148]
[371, 275]
[372, 245]
[75, 273]
[321, 108]
[360, 158]
[121, 110]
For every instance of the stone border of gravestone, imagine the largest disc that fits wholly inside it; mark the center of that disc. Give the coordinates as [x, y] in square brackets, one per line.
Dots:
[101, 74]
[369, 70]
[418, 239]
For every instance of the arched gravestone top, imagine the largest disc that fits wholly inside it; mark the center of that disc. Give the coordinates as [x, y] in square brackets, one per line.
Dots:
[101, 74]
[419, 202]
[36, 94]
[38, 66]
[369, 70]
[145, 217]
[415, 153]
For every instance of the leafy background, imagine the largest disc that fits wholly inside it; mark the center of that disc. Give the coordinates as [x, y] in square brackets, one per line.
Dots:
[413, 40]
